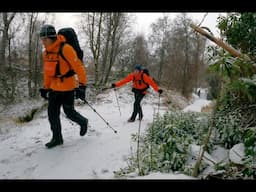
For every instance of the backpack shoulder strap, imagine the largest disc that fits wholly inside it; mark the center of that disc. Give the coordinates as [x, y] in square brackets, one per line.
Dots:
[142, 78]
[61, 52]
[71, 72]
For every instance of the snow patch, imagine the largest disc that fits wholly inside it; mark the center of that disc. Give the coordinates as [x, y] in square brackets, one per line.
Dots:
[197, 105]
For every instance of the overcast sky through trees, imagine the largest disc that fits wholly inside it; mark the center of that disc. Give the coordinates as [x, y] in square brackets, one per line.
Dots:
[144, 19]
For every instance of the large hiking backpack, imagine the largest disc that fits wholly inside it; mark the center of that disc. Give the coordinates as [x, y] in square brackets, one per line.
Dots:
[71, 38]
[145, 71]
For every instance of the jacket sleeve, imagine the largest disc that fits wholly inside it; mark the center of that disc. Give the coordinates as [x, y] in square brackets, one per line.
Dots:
[76, 64]
[151, 82]
[127, 79]
[46, 79]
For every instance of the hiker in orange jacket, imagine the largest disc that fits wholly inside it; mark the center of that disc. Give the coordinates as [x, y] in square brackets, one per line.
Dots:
[140, 84]
[59, 83]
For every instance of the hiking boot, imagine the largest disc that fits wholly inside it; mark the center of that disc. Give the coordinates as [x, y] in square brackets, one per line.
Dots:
[83, 128]
[140, 117]
[54, 142]
[131, 120]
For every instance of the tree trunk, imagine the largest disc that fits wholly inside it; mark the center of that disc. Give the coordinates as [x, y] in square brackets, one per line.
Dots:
[7, 19]
[105, 55]
[36, 69]
[219, 42]
[161, 64]
[32, 51]
[113, 47]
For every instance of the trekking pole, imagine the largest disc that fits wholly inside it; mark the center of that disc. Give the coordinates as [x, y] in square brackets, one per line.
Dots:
[99, 115]
[138, 150]
[117, 102]
[159, 103]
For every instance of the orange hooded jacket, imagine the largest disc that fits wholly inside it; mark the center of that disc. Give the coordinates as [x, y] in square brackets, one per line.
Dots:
[138, 82]
[50, 58]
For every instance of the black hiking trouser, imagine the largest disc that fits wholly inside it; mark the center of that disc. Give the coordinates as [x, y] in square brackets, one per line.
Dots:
[138, 95]
[66, 100]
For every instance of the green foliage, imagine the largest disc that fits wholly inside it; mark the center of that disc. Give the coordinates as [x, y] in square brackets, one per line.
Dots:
[249, 138]
[224, 66]
[233, 171]
[164, 145]
[249, 89]
[228, 125]
[239, 30]
[233, 68]
[237, 91]
[226, 69]
[213, 82]
[236, 111]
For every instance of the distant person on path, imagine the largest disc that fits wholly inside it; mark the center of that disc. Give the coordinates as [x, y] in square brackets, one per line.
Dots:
[140, 84]
[60, 89]
[199, 92]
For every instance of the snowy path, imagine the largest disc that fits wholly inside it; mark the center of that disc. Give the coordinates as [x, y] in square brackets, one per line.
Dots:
[94, 156]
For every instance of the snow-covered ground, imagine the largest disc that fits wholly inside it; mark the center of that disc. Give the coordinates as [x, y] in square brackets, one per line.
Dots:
[95, 156]
[198, 101]
[197, 105]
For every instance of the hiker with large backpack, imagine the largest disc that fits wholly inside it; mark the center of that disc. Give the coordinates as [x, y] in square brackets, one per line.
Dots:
[60, 86]
[140, 83]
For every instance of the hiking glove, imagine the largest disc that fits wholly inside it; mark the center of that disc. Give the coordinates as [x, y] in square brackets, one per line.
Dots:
[160, 91]
[113, 85]
[80, 92]
[44, 93]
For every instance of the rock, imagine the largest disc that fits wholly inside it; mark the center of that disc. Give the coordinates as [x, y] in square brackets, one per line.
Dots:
[236, 154]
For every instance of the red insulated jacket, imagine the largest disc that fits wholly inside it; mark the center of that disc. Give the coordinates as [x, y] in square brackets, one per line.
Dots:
[138, 82]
